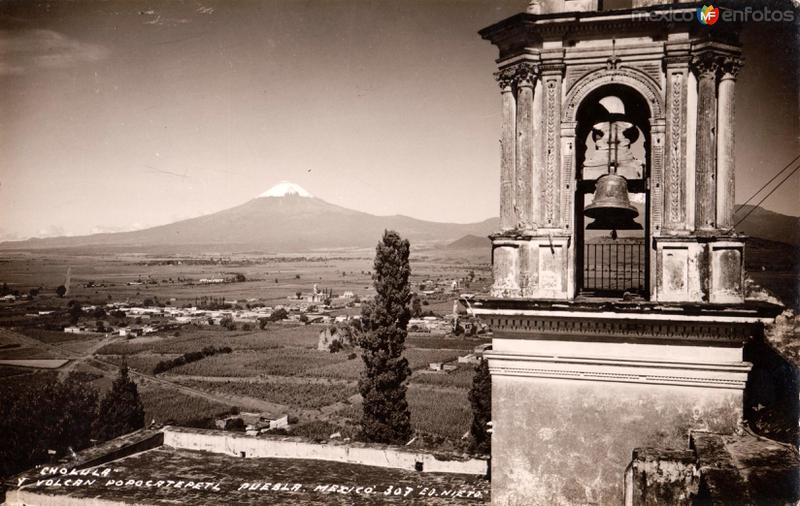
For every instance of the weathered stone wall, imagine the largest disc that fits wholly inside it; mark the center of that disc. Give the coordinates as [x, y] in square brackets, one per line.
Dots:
[657, 476]
[559, 442]
[295, 448]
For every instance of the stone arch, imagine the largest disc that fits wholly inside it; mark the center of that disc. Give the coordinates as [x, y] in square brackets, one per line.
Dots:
[632, 78]
[652, 107]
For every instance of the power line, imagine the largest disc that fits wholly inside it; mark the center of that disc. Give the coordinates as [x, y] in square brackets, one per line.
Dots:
[767, 195]
[768, 182]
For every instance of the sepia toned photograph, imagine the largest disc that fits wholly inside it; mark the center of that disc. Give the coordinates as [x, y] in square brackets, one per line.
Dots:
[422, 252]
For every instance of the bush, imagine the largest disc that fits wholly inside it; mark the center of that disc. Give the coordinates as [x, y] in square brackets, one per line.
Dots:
[227, 323]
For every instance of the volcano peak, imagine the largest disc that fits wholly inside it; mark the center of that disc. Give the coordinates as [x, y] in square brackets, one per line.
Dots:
[285, 189]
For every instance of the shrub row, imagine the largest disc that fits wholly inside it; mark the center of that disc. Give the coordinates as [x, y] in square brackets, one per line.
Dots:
[192, 356]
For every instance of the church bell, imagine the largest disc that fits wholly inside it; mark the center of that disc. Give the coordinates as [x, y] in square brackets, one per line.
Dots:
[611, 208]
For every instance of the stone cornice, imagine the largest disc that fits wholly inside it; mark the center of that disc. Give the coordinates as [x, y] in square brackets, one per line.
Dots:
[513, 35]
[618, 328]
[638, 371]
[748, 313]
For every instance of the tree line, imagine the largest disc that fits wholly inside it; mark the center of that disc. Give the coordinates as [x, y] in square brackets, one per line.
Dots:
[48, 419]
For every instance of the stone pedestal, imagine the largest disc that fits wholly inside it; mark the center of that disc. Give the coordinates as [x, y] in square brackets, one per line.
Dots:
[690, 269]
[532, 266]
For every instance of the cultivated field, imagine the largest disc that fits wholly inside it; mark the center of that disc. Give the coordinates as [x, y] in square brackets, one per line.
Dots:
[277, 370]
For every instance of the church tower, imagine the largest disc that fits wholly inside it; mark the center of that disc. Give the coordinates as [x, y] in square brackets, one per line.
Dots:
[618, 308]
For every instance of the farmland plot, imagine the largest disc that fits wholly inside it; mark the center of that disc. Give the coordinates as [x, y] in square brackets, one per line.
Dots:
[162, 405]
[277, 362]
[304, 395]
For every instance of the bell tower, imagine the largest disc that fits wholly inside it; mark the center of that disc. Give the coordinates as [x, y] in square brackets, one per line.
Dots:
[618, 309]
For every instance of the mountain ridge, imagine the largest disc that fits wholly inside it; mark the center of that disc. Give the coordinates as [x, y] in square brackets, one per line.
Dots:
[287, 218]
[280, 223]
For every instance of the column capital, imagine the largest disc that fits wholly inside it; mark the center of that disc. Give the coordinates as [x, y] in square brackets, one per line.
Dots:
[526, 74]
[706, 65]
[730, 67]
[505, 78]
[521, 74]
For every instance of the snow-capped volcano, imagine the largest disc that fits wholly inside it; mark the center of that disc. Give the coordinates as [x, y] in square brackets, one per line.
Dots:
[298, 222]
[284, 189]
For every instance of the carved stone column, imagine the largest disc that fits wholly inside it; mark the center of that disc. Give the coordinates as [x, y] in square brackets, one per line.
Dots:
[675, 174]
[726, 189]
[706, 67]
[508, 220]
[552, 74]
[523, 182]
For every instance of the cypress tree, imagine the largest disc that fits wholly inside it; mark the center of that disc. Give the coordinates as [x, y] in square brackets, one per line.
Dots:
[382, 385]
[121, 410]
[480, 397]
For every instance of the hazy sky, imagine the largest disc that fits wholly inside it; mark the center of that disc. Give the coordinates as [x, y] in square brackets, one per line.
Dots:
[123, 114]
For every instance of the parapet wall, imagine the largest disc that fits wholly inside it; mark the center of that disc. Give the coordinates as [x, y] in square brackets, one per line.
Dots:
[23, 497]
[292, 448]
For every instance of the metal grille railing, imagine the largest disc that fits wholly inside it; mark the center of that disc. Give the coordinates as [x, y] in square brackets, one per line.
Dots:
[614, 267]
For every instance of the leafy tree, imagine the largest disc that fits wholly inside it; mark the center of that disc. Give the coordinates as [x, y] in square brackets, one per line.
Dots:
[75, 312]
[38, 416]
[61, 290]
[480, 397]
[279, 314]
[416, 307]
[121, 410]
[382, 384]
